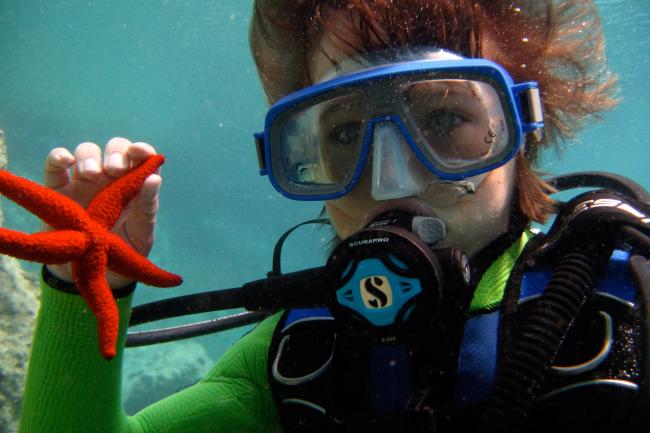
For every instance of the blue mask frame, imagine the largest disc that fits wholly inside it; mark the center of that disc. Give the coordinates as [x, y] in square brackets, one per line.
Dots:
[522, 101]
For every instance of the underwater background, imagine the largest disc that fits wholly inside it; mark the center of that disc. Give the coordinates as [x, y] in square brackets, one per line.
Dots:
[178, 74]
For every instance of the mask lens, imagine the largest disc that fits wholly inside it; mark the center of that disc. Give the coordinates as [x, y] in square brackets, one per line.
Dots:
[317, 147]
[459, 125]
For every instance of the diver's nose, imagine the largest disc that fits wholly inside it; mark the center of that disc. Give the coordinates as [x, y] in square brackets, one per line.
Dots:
[395, 172]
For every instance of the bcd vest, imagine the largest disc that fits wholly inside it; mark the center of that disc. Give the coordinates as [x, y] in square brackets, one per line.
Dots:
[323, 381]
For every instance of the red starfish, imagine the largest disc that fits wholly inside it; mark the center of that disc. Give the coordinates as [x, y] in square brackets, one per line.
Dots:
[83, 237]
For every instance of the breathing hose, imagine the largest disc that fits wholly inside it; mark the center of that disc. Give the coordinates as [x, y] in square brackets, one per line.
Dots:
[538, 342]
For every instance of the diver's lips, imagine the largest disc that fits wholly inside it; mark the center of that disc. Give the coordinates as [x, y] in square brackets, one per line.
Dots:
[412, 206]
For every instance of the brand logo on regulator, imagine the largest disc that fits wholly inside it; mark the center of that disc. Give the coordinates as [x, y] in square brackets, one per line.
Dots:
[376, 292]
[368, 242]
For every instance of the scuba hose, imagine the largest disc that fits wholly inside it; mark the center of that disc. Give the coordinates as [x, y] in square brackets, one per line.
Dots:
[217, 300]
[600, 179]
[261, 298]
[538, 342]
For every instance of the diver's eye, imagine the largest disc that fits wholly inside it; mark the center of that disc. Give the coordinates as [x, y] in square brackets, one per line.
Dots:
[443, 122]
[347, 134]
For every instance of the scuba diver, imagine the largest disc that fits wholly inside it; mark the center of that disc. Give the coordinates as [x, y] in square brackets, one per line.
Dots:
[419, 124]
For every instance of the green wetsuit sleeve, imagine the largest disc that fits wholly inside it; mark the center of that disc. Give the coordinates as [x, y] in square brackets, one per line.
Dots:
[71, 388]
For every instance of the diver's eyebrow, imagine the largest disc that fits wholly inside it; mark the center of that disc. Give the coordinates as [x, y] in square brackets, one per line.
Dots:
[333, 106]
[453, 87]
[330, 108]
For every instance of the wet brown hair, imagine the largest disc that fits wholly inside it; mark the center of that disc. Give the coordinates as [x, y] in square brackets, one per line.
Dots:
[559, 44]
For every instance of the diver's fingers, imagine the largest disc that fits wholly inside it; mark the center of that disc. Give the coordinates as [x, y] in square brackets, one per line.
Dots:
[57, 176]
[139, 151]
[138, 228]
[145, 204]
[88, 157]
[139, 224]
[116, 156]
[57, 168]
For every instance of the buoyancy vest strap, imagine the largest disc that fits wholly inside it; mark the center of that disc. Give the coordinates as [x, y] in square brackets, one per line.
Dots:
[616, 282]
[299, 315]
[477, 359]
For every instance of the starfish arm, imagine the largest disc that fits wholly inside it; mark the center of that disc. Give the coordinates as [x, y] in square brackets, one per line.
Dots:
[107, 206]
[51, 247]
[126, 261]
[89, 275]
[54, 208]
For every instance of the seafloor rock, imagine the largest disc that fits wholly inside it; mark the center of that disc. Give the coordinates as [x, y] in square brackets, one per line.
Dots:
[153, 373]
[18, 306]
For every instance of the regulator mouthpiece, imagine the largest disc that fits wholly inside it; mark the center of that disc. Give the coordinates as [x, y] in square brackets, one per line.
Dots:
[430, 229]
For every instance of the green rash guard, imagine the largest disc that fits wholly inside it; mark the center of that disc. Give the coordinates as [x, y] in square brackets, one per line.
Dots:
[71, 389]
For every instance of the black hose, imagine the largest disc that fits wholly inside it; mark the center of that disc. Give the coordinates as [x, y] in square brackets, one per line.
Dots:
[601, 179]
[538, 342]
[226, 299]
[146, 338]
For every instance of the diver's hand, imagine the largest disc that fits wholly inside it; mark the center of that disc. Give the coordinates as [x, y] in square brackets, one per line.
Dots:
[277, 42]
[82, 175]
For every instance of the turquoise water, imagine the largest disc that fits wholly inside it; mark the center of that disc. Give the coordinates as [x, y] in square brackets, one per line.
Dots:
[178, 74]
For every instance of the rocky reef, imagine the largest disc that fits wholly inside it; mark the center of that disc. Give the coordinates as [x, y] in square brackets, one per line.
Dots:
[151, 373]
[18, 307]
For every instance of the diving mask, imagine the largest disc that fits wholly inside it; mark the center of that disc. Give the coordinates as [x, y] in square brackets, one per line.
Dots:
[423, 117]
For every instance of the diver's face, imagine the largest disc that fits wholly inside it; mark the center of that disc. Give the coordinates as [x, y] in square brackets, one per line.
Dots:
[472, 220]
